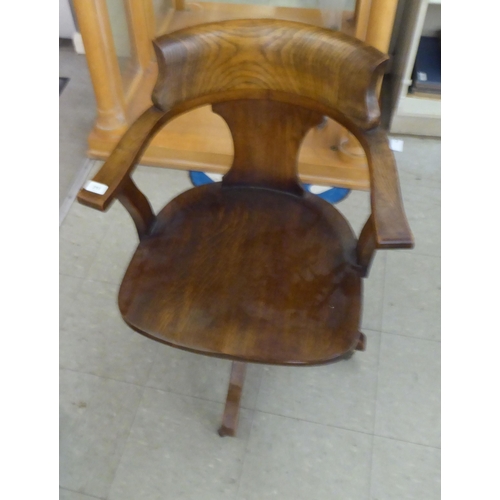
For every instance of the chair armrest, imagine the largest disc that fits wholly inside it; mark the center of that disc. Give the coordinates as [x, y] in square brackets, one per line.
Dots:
[115, 173]
[388, 220]
[387, 226]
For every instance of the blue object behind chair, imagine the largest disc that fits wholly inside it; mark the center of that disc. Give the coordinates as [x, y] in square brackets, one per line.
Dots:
[330, 194]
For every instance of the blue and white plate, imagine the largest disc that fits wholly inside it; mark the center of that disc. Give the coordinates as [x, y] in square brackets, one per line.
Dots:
[328, 193]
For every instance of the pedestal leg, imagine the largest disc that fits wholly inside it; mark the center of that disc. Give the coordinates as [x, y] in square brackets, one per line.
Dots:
[232, 409]
[361, 345]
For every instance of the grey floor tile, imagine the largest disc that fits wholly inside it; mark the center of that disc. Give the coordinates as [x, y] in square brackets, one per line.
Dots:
[373, 293]
[75, 127]
[412, 295]
[71, 495]
[160, 185]
[423, 209]
[420, 160]
[405, 471]
[68, 289]
[174, 451]
[409, 390]
[96, 415]
[205, 377]
[116, 248]
[341, 394]
[94, 338]
[72, 160]
[356, 209]
[77, 111]
[294, 459]
[95, 168]
[79, 238]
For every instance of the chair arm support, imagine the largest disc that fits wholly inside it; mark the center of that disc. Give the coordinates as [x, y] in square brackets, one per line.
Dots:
[388, 226]
[116, 171]
[365, 249]
[137, 205]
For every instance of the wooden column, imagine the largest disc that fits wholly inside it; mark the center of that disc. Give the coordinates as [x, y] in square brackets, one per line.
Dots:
[95, 28]
[141, 23]
[362, 16]
[150, 18]
[376, 30]
[141, 17]
[379, 31]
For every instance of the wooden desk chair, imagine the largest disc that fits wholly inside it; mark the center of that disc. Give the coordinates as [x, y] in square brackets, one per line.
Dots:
[255, 269]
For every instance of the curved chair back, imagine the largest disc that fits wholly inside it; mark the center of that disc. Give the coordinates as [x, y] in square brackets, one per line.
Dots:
[270, 59]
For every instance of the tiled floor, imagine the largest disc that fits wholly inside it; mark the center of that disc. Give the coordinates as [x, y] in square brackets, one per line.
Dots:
[138, 419]
[76, 116]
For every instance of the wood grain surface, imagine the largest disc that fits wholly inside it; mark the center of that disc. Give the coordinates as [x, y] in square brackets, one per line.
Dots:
[283, 56]
[255, 269]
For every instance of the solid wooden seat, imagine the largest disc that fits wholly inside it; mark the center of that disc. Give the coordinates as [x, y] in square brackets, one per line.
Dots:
[255, 269]
[248, 274]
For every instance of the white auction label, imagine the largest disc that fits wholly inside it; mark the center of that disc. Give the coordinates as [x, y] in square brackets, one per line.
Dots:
[396, 144]
[96, 187]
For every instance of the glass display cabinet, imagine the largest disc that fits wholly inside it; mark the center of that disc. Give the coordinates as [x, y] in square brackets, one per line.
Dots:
[117, 36]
